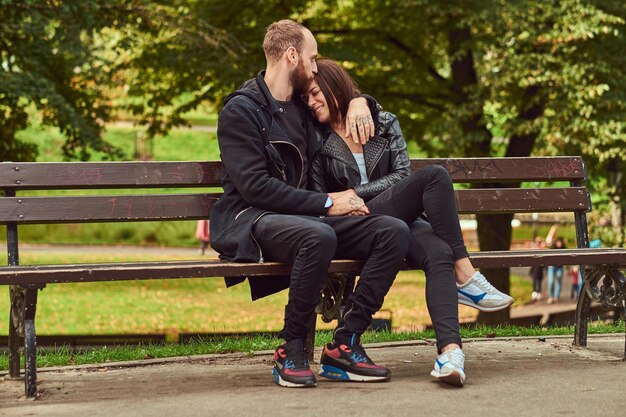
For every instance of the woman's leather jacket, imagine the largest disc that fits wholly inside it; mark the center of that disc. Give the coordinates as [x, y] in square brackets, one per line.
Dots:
[333, 168]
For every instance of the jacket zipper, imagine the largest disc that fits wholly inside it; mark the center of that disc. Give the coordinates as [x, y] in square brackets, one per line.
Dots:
[252, 236]
[282, 172]
[369, 174]
[301, 161]
[241, 212]
[343, 160]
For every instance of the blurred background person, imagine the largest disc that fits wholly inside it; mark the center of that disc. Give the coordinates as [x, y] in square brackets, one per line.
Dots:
[203, 235]
[555, 274]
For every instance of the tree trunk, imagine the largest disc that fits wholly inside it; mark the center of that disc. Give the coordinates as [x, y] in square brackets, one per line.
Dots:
[494, 230]
[494, 233]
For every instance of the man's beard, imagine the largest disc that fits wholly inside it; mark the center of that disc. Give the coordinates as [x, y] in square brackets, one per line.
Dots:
[300, 80]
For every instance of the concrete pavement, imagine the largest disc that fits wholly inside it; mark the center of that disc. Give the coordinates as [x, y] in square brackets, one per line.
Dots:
[506, 377]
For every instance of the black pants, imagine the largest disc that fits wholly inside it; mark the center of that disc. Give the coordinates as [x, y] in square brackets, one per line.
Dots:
[310, 243]
[434, 244]
[536, 272]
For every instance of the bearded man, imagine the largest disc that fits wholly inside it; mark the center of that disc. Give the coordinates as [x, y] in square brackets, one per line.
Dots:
[266, 138]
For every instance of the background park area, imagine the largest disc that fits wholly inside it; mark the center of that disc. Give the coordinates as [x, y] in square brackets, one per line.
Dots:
[144, 80]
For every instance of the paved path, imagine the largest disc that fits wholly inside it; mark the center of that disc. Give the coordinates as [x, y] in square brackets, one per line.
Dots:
[514, 377]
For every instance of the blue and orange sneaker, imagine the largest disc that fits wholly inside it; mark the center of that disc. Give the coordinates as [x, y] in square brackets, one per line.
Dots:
[351, 363]
[291, 367]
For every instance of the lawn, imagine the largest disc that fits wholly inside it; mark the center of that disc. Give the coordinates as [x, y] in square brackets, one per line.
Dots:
[192, 305]
[63, 355]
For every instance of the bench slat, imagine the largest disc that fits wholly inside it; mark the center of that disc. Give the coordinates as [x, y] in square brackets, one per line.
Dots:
[69, 175]
[35, 210]
[76, 209]
[546, 257]
[522, 200]
[216, 268]
[557, 168]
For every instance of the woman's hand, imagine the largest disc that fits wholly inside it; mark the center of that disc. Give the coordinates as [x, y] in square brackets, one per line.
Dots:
[347, 203]
[359, 122]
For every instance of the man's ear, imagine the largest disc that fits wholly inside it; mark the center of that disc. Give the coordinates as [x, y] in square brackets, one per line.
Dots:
[292, 55]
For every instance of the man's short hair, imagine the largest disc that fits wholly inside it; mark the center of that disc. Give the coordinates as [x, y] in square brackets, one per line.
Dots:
[280, 36]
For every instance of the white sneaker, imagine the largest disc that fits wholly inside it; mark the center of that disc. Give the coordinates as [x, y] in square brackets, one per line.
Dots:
[449, 367]
[477, 292]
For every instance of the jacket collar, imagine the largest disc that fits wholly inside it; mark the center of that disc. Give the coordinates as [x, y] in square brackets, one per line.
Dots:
[257, 90]
[335, 147]
[271, 102]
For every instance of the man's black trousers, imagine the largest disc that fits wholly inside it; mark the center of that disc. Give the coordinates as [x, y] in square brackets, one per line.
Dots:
[310, 243]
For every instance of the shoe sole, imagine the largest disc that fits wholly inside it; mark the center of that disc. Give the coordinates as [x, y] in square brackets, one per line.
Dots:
[283, 383]
[332, 372]
[481, 308]
[453, 378]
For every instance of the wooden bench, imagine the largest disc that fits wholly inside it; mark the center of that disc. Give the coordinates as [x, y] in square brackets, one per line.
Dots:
[604, 281]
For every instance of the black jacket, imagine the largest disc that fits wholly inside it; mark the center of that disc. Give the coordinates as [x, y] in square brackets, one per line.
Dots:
[334, 168]
[262, 173]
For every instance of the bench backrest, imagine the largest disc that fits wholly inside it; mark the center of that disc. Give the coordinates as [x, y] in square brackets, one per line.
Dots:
[79, 206]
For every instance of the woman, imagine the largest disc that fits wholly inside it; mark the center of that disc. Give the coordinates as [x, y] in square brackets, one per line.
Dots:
[536, 272]
[555, 274]
[379, 173]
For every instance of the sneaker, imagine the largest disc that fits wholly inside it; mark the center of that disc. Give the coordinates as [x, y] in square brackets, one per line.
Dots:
[291, 367]
[449, 367]
[480, 294]
[351, 363]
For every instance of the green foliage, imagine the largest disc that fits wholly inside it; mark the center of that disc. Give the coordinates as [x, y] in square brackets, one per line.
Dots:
[65, 60]
[49, 61]
[546, 76]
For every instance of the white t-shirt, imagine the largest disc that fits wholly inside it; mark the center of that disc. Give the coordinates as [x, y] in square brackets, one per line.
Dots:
[360, 161]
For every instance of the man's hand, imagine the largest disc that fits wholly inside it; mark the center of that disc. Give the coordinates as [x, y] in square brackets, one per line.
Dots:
[347, 203]
[359, 122]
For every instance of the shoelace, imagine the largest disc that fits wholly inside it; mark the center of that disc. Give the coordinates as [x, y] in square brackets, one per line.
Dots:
[359, 355]
[296, 356]
[482, 282]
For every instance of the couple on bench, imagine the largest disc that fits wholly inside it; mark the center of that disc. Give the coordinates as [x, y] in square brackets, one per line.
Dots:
[315, 171]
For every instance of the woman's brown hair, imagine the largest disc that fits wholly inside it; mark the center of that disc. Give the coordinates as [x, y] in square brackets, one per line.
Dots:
[337, 86]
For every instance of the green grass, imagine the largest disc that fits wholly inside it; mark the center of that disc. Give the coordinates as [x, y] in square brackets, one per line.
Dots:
[62, 356]
[192, 305]
[178, 145]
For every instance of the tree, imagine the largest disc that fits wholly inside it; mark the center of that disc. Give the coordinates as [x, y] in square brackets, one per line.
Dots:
[540, 77]
[466, 77]
[63, 58]
[48, 64]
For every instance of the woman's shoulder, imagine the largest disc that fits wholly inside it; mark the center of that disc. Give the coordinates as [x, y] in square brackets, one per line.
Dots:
[384, 121]
[384, 116]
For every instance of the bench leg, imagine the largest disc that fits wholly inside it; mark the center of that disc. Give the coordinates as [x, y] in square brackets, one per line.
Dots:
[582, 317]
[30, 344]
[604, 284]
[16, 330]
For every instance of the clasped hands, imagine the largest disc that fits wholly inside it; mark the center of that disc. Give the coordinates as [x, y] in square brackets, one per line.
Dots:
[347, 203]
